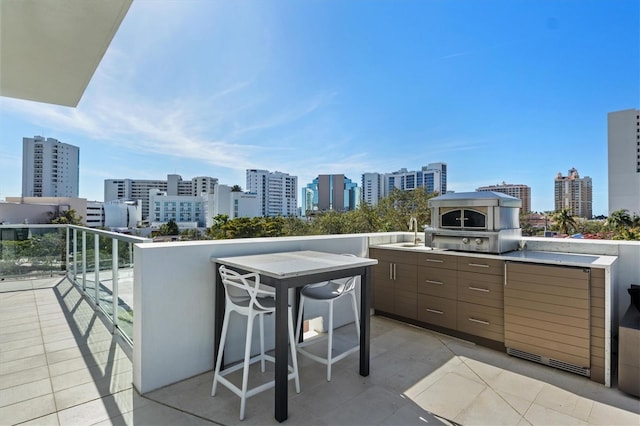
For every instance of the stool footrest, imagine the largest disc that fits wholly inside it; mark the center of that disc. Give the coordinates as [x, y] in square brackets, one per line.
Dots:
[323, 360]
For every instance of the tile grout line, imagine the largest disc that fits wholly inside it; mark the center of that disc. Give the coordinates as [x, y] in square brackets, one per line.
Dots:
[522, 416]
[55, 405]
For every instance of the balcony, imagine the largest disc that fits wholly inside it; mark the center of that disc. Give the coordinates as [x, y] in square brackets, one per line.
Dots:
[64, 360]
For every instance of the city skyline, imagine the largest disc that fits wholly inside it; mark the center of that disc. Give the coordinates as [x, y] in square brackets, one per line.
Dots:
[212, 89]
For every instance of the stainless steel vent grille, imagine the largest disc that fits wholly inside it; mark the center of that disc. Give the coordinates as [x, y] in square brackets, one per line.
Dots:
[561, 365]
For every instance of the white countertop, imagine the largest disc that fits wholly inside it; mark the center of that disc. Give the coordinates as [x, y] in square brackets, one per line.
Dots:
[545, 257]
[296, 263]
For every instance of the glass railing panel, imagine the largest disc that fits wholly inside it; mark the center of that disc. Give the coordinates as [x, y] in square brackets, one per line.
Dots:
[104, 265]
[32, 251]
[125, 288]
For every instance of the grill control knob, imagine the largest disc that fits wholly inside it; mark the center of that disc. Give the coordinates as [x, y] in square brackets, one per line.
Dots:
[478, 241]
[465, 240]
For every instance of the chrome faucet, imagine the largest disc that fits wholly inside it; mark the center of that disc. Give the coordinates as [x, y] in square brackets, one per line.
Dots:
[413, 226]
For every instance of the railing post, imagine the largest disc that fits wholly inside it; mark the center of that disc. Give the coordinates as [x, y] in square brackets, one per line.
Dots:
[84, 261]
[75, 255]
[66, 253]
[96, 245]
[114, 276]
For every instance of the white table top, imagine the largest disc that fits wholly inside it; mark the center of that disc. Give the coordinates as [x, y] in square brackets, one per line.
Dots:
[295, 263]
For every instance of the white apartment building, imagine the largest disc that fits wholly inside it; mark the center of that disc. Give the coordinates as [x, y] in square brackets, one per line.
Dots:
[202, 184]
[574, 193]
[624, 160]
[276, 191]
[234, 203]
[50, 168]
[138, 189]
[180, 208]
[520, 191]
[198, 211]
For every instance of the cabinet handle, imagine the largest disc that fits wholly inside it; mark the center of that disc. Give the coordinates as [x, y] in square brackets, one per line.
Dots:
[394, 271]
[478, 265]
[435, 260]
[479, 321]
[433, 311]
[434, 282]
[391, 271]
[484, 290]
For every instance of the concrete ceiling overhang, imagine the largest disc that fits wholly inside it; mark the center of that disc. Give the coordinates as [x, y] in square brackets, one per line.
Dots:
[50, 49]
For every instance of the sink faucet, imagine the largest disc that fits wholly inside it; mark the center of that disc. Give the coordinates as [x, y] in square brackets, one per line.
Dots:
[413, 226]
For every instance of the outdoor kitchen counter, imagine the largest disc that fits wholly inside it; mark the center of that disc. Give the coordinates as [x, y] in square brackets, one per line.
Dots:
[542, 257]
[404, 284]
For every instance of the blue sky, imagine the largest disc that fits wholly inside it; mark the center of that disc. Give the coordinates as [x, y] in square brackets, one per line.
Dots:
[510, 90]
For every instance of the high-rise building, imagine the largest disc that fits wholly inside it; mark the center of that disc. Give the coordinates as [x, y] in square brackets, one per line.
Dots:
[432, 177]
[624, 160]
[331, 192]
[371, 186]
[574, 193]
[515, 190]
[50, 168]
[277, 192]
[137, 189]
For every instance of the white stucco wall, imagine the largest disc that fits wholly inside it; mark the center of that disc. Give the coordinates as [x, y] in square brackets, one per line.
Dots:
[174, 302]
[174, 295]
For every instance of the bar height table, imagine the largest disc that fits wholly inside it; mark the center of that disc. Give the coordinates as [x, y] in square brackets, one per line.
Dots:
[295, 269]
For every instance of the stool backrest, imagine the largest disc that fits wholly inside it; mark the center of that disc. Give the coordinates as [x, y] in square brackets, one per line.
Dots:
[241, 287]
[347, 284]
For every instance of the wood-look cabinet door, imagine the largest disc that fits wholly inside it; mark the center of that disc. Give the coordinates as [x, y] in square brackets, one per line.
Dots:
[394, 282]
[383, 287]
[547, 312]
[405, 290]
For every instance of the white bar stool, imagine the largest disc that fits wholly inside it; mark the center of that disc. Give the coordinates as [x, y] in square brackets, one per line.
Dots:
[328, 292]
[245, 295]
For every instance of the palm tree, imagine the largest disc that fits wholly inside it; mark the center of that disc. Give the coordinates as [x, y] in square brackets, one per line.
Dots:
[564, 220]
[619, 219]
[236, 188]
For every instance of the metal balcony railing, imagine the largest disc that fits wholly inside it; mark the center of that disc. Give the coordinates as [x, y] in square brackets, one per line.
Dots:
[100, 263]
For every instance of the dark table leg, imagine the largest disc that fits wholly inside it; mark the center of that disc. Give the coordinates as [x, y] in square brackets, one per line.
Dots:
[281, 355]
[365, 320]
[219, 314]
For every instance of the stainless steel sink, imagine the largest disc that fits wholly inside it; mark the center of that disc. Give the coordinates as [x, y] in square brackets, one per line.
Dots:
[420, 247]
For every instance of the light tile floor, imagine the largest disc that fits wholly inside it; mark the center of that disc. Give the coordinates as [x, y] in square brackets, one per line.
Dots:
[59, 365]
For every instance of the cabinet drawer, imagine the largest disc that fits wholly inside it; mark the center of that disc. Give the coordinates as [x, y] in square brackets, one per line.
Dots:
[437, 281]
[437, 310]
[479, 320]
[437, 260]
[482, 289]
[481, 265]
